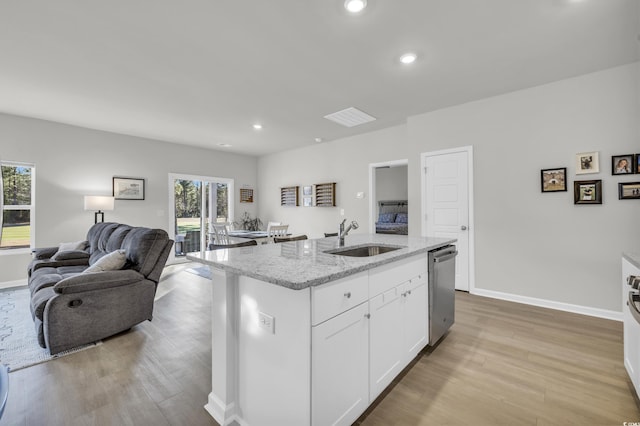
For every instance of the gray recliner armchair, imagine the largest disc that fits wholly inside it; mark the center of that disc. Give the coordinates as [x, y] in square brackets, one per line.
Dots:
[72, 305]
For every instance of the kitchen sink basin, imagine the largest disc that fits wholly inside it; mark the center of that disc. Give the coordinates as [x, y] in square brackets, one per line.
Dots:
[363, 251]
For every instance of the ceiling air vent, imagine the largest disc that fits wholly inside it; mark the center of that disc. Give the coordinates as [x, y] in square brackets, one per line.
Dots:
[350, 117]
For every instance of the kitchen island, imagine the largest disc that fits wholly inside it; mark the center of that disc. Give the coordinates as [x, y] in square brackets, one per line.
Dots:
[305, 335]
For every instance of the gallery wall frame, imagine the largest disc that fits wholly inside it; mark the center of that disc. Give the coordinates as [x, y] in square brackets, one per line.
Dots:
[622, 164]
[587, 192]
[127, 188]
[629, 191]
[587, 162]
[553, 180]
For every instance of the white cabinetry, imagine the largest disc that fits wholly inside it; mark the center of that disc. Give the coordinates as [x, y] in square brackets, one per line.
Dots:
[414, 308]
[385, 331]
[339, 374]
[631, 327]
[398, 326]
[339, 351]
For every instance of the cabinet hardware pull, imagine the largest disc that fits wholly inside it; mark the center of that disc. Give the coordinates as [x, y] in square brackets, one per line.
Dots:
[347, 295]
[367, 316]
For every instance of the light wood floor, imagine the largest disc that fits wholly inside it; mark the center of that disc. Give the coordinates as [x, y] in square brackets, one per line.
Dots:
[502, 363]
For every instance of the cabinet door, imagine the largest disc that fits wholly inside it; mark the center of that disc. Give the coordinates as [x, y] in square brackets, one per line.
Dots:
[386, 337]
[339, 375]
[631, 330]
[414, 309]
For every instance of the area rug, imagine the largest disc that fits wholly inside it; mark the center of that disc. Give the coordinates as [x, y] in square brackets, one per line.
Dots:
[203, 271]
[19, 346]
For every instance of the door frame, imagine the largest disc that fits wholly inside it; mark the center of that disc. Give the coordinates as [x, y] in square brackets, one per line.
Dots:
[172, 204]
[423, 203]
[373, 208]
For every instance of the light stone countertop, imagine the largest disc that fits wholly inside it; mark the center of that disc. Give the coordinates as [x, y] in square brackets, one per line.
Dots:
[301, 264]
[634, 258]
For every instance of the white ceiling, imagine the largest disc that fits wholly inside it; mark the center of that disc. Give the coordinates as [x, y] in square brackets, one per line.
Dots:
[201, 72]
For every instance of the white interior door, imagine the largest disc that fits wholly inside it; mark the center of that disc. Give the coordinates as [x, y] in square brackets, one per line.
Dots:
[446, 202]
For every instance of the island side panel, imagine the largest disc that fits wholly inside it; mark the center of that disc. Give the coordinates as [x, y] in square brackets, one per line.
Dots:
[274, 364]
[222, 401]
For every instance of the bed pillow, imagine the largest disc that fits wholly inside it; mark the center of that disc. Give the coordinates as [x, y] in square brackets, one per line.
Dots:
[386, 217]
[402, 218]
[109, 262]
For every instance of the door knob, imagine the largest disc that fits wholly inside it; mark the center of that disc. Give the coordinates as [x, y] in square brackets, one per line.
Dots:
[464, 228]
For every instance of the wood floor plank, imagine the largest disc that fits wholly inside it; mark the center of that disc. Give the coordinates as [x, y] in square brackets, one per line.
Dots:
[502, 363]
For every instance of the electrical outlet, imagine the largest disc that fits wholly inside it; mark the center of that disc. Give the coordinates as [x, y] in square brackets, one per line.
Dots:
[267, 322]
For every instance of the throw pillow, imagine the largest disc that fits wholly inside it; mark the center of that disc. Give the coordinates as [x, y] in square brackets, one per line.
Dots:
[402, 218]
[109, 262]
[386, 217]
[72, 246]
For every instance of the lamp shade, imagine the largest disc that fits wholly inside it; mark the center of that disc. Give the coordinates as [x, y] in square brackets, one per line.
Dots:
[97, 202]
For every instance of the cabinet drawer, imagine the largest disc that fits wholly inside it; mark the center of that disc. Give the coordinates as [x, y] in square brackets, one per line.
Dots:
[388, 276]
[331, 299]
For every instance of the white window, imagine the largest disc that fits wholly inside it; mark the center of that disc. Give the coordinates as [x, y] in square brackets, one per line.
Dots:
[17, 200]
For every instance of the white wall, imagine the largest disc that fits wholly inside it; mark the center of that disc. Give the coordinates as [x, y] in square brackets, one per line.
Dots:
[72, 162]
[542, 245]
[345, 161]
[391, 183]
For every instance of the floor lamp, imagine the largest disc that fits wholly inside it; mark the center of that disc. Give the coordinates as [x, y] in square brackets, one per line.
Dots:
[98, 204]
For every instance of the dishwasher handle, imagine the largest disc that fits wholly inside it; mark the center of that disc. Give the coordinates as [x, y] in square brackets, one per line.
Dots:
[445, 254]
[633, 308]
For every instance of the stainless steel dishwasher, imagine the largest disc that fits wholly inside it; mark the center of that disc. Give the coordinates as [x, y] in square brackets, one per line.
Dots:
[442, 289]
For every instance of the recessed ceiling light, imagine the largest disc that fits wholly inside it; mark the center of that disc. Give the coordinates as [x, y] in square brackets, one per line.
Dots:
[355, 6]
[318, 140]
[257, 126]
[224, 145]
[408, 58]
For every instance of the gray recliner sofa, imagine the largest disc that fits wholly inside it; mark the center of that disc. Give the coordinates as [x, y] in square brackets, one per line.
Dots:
[71, 307]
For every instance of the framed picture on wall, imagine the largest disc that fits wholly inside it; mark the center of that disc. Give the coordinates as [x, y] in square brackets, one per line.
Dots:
[587, 192]
[629, 191]
[622, 164]
[128, 188]
[636, 161]
[587, 162]
[553, 180]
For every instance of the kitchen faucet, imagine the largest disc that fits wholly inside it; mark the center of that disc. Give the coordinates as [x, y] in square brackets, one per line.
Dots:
[343, 232]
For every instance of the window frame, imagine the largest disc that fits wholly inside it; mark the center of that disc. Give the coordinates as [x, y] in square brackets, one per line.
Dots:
[30, 207]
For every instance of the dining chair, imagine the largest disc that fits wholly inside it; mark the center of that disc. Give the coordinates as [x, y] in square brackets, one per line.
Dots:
[226, 246]
[330, 234]
[221, 233]
[270, 224]
[286, 239]
[277, 231]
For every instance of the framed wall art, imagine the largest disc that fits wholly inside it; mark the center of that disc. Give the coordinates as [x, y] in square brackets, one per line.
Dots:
[622, 164]
[629, 191]
[553, 180]
[636, 161]
[587, 192]
[246, 195]
[125, 188]
[587, 162]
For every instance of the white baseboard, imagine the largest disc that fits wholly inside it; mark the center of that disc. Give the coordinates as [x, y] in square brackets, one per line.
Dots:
[16, 283]
[560, 306]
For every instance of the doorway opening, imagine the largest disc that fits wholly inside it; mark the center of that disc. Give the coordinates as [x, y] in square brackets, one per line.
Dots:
[195, 202]
[388, 189]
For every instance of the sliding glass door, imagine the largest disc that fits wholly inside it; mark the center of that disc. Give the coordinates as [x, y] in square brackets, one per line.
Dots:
[196, 202]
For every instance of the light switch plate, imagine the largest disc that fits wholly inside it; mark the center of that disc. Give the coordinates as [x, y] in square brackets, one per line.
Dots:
[267, 322]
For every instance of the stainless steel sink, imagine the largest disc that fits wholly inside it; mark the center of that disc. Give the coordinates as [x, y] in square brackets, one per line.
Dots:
[363, 251]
